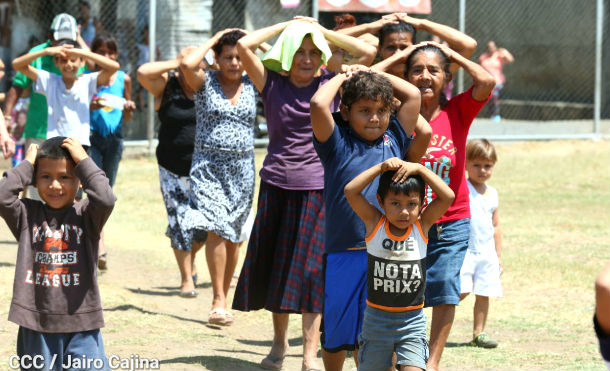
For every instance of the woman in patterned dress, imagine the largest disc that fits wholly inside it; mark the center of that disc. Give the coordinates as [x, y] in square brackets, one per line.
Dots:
[222, 172]
[174, 103]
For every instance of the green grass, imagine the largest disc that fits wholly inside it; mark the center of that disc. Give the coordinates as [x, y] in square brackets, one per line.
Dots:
[554, 212]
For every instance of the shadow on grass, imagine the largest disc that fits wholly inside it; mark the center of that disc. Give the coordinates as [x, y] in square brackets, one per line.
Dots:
[127, 307]
[204, 285]
[4, 264]
[267, 343]
[154, 292]
[456, 345]
[215, 362]
[11, 242]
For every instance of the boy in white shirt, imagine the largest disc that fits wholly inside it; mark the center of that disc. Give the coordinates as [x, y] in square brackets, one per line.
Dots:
[68, 95]
[482, 265]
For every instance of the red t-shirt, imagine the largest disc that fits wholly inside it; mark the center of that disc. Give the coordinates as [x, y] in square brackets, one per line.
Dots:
[446, 153]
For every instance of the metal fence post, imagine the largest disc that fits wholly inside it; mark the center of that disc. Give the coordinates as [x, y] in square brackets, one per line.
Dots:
[314, 9]
[462, 28]
[150, 113]
[597, 98]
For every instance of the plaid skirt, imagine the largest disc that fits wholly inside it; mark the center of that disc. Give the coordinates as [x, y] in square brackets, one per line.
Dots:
[283, 270]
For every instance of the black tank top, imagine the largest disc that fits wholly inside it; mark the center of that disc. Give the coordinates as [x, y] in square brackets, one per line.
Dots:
[177, 130]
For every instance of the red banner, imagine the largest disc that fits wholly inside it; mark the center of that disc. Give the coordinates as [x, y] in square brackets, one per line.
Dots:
[378, 6]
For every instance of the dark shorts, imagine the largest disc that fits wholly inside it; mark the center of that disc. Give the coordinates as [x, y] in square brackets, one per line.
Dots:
[344, 299]
[53, 349]
[447, 245]
[282, 271]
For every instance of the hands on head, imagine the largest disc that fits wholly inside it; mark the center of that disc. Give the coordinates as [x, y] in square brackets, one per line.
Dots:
[403, 168]
[72, 145]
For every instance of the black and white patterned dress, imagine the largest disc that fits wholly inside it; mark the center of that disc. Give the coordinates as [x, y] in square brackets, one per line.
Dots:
[222, 171]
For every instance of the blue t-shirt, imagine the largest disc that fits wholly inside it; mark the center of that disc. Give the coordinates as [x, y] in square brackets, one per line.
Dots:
[345, 155]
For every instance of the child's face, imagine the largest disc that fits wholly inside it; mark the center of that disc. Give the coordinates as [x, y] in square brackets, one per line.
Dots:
[56, 182]
[479, 170]
[368, 118]
[68, 66]
[106, 52]
[401, 209]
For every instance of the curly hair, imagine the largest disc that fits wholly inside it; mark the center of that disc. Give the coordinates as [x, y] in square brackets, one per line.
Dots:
[228, 38]
[367, 85]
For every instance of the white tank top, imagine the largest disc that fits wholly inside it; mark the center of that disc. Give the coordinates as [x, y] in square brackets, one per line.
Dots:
[396, 270]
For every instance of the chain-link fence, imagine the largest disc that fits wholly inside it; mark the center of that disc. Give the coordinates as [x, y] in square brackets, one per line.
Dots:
[553, 42]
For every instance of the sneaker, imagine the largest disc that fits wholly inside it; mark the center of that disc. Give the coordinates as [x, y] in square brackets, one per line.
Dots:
[484, 341]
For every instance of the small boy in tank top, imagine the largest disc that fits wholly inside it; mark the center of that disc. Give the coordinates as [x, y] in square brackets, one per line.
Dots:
[396, 242]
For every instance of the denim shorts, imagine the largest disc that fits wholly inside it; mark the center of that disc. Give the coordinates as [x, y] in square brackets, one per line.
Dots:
[56, 349]
[447, 245]
[386, 332]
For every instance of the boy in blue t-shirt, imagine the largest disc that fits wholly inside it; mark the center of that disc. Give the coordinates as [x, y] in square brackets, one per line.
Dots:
[363, 134]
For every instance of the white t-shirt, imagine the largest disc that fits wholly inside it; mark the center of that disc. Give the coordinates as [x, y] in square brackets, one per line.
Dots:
[68, 108]
[482, 208]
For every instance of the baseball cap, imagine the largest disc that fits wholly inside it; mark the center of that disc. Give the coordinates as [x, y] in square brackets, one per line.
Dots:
[64, 27]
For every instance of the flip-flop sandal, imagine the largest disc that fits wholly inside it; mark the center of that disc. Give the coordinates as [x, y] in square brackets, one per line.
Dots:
[220, 317]
[272, 363]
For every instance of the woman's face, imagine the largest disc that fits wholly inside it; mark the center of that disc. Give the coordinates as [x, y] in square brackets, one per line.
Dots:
[392, 44]
[305, 62]
[427, 74]
[229, 63]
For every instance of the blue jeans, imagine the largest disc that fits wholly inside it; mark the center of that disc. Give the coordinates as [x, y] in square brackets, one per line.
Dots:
[106, 152]
[386, 332]
[51, 351]
[447, 245]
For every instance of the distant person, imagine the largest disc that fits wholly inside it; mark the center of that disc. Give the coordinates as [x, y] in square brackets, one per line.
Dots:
[601, 318]
[175, 105]
[111, 107]
[56, 298]
[482, 266]
[144, 57]
[63, 27]
[396, 244]
[7, 144]
[70, 94]
[493, 60]
[89, 25]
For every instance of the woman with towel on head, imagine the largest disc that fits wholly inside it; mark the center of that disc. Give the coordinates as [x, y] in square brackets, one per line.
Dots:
[283, 268]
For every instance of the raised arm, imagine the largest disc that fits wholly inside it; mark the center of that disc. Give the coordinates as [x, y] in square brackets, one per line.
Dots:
[321, 116]
[195, 76]
[252, 64]
[419, 145]
[362, 52]
[153, 76]
[506, 56]
[444, 196]
[483, 81]
[410, 99]
[398, 57]
[107, 66]
[22, 63]
[458, 41]
[370, 28]
[368, 213]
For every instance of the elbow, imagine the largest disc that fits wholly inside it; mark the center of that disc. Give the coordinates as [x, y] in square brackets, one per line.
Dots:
[242, 47]
[370, 53]
[141, 74]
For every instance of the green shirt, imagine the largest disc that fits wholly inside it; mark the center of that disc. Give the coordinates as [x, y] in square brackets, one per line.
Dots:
[36, 124]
